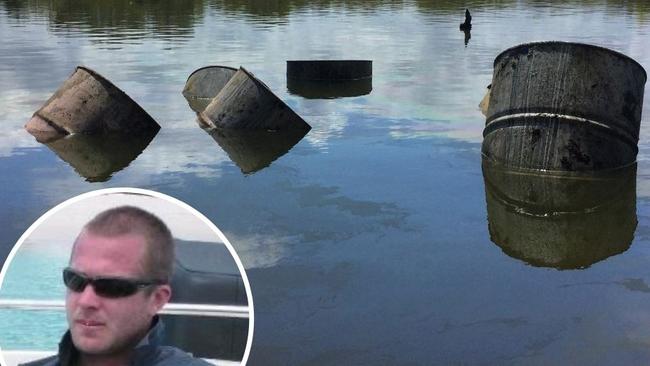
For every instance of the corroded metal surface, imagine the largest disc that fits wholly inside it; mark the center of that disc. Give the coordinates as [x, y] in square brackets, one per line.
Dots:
[564, 107]
[204, 84]
[247, 103]
[89, 103]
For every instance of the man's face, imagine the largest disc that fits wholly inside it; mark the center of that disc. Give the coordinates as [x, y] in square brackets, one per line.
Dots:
[110, 326]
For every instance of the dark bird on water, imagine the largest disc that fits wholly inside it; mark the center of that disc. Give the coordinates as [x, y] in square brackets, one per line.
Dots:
[467, 25]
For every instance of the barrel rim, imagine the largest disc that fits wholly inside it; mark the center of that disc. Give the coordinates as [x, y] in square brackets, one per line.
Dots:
[257, 81]
[324, 61]
[579, 44]
[210, 66]
[102, 78]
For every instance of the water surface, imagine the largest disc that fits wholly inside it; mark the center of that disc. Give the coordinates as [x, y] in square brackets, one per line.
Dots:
[369, 241]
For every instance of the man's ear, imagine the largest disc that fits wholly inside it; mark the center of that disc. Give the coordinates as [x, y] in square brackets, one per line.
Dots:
[159, 298]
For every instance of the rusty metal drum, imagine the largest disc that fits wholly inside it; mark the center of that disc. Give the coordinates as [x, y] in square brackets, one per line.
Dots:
[204, 84]
[247, 103]
[559, 106]
[89, 103]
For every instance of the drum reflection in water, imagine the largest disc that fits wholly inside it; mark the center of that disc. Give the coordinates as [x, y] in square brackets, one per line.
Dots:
[255, 150]
[560, 221]
[98, 157]
[328, 89]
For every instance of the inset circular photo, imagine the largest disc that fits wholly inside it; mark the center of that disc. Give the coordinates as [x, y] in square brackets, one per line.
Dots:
[124, 276]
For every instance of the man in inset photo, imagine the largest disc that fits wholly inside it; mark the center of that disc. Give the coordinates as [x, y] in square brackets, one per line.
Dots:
[118, 278]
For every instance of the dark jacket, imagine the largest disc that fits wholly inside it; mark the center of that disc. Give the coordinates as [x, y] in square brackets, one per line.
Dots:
[149, 352]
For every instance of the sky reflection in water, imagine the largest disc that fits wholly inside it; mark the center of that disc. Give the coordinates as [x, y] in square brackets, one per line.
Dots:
[368, 242]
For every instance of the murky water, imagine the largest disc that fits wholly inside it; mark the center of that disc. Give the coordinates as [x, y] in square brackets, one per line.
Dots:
[376, 238]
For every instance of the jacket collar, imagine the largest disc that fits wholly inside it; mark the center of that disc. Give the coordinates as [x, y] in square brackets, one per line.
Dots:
[68, 353]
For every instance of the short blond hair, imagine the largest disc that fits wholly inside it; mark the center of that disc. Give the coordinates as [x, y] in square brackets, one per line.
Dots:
[159, 259]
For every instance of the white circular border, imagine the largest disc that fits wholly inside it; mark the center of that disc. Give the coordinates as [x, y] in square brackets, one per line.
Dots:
[146, 192]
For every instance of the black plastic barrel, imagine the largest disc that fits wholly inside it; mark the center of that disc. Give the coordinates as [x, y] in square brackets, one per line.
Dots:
[561, 106]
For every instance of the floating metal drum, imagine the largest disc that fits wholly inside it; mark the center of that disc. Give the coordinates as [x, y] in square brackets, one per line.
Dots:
[89, 103]
[329, 69]
[561, 106]
[204, 84]
[247, 103]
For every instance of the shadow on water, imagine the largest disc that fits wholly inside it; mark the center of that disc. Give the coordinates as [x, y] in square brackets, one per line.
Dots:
[563, 222]
[256, 150]
[98, 157]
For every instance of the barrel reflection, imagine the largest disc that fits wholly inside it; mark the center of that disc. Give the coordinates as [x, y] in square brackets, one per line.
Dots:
[560, 221]
[329, 89]
[255, 150]
[98, 157]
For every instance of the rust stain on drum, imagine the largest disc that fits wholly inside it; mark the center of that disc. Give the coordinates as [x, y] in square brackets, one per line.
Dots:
[247, 103]
[89, 103]
[559, 106]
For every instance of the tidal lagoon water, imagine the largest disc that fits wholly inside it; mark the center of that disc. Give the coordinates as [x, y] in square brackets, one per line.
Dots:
[379, 238]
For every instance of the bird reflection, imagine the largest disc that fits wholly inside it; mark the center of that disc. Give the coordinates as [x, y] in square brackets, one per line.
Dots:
[563, 222]
[466, 26]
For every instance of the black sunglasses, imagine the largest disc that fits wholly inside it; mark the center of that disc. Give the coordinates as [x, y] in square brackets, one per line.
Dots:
[110, 287]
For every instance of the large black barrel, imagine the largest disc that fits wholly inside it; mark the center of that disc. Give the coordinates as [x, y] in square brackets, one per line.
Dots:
[560, 221]
[562, 106]
[329, 69]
